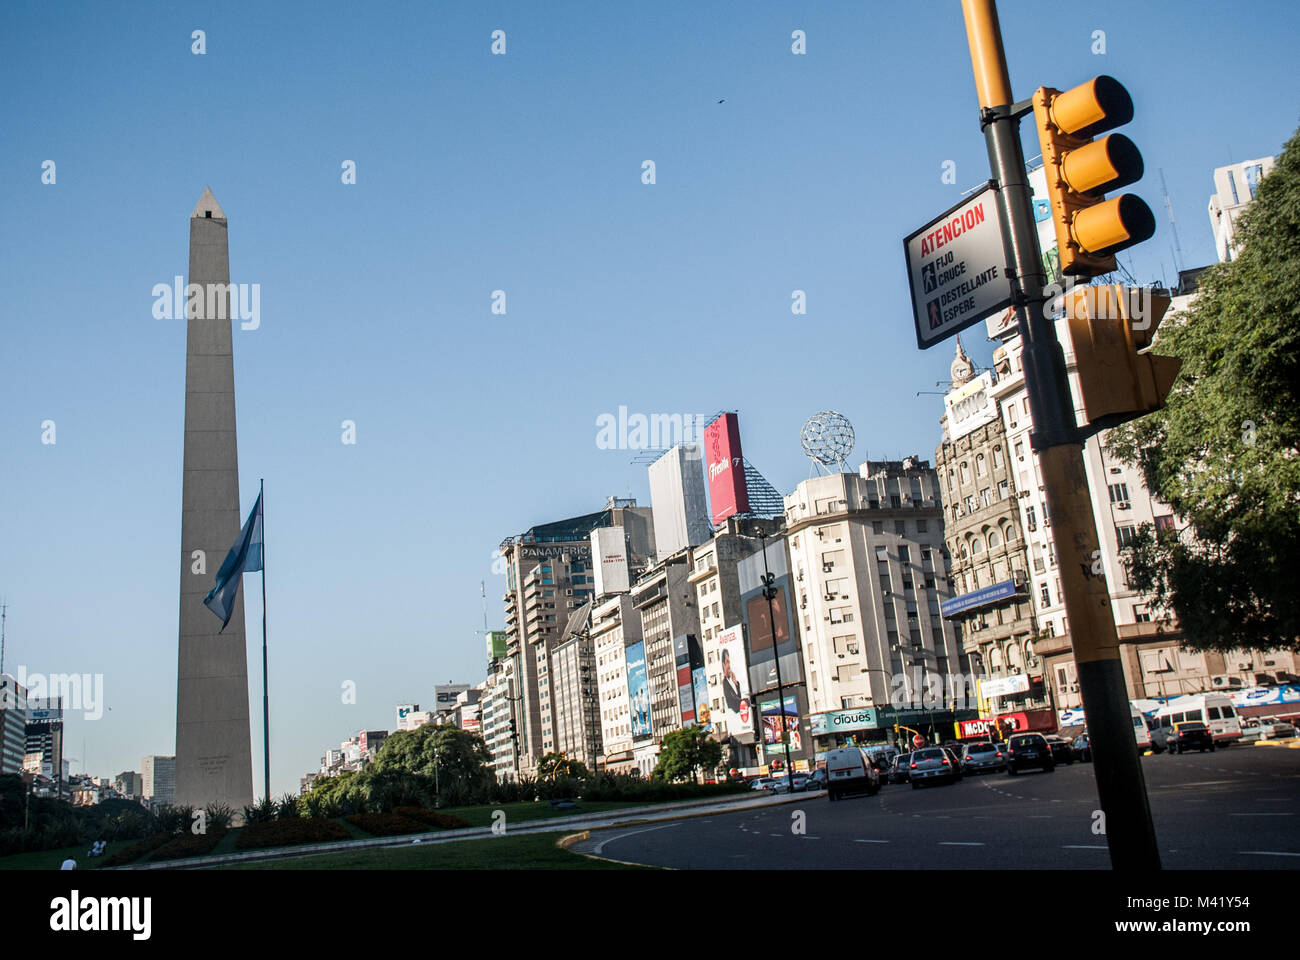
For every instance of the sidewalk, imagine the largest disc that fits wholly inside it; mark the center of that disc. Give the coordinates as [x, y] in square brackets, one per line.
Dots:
[648, 814]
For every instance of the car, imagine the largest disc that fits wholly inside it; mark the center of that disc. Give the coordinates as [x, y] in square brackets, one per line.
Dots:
[982, 756]
[783, 784]
[1272, 728]
[850, 770]
[1029, 751]
[760, 783]
[1062, 751]
[898, 774]
[933, 765]
[1083, 747]
[1191, 735]
[817, 779]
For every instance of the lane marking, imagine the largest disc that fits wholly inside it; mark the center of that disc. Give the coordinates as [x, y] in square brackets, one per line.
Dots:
[601, 846]
[871, 841]
[958, 843]
[1268, 853]
[1084, 846]
[1261, 814]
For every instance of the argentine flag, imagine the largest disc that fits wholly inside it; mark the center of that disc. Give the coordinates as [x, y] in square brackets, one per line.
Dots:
[244, 557]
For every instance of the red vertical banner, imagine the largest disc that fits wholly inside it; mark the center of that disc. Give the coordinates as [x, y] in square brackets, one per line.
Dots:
[728, 494]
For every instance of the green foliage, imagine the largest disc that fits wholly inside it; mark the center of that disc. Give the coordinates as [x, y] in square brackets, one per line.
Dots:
[556, 764]
[442, 752]
[432, 818]
[218, 816]
[133, 852]
[264, 811]
[386, 824]
[286, 808]
[1225, 451]
[686, 752]
[188, 845]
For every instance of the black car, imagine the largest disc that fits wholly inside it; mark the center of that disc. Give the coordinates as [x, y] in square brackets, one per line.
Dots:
[902, 769]
[1062, 751]
[1029, 751]
[1191, 735]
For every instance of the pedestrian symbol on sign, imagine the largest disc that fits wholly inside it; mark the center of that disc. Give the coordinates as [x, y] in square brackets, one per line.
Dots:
[936, 317]
[928, 278]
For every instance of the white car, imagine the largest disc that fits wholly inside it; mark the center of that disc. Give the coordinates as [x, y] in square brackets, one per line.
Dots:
[1271, 728]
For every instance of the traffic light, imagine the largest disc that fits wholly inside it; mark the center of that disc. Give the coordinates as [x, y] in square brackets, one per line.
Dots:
[1090, 229]
[1108, 325]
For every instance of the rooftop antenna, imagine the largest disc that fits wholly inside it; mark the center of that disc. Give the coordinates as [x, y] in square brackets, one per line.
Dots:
[1178, 247]
[827, 439]
[482, 589]
[3, 608]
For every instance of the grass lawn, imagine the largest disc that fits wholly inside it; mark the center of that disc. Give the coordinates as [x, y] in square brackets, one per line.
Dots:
[535, 851]
[50, 859]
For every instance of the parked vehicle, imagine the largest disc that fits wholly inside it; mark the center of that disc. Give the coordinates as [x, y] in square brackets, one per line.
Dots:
[1273, 728]
[783, 784]
[1062, 751]
[1141, 730]
[981, 756]
[933, 765]
[1029, 751]
[1213, 709]
[1191, 735]
[760, 783]
[1083, 747]
[817, 779]
[850, 770]
[899, 772]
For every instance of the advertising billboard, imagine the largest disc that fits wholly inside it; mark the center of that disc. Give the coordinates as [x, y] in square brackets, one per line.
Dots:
[772, 723]
[735, 683]
[726, 467]
[758, 623]
[970, 405]
[496, 644]
[834, 721]
[404, 712]
[469, 717]
[703, 712]
[638, 690]
[445, 695]
[609, 560]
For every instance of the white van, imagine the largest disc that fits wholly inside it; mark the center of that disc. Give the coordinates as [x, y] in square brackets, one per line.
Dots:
[1213, 709]
[1141, 733]
[850, 770]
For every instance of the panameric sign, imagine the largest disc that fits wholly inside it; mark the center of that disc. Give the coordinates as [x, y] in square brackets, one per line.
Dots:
[957, 268]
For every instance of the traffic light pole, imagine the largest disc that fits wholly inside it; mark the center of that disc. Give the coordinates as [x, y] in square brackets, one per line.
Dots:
[1055, 438]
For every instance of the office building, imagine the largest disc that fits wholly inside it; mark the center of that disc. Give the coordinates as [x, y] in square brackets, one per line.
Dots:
[615, 626]
[1235, 187]
[13, 724]
[574, 691]
[158, 780]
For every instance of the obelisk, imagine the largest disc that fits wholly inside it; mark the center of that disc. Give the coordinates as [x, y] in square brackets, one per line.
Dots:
[214, 762]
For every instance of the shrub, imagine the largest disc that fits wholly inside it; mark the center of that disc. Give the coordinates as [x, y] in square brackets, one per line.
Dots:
[386, 824]
[287, 833]
[170, 819]
[264, 811]
[432, 818]
[218, 816]
[136, 850]
[286, 808]
[188, 845]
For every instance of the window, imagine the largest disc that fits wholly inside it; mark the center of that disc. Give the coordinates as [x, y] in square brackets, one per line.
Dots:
[877, 526]
[1031, 518]
[994, 539]
[997, 457]
[1119, 493]
[976, 547]
[970, 504]
[980, 467]
[904, 555]
[900, 527]
[986, 497]
[1004, 489]
[922, 526]
[894, 501]
[965, 472]
[1044, 597]
[1165, 522]
[1124, 535]
[1020, 450]
[1141, 614]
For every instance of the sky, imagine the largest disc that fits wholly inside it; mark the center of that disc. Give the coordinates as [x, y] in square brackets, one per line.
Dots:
[520, 172]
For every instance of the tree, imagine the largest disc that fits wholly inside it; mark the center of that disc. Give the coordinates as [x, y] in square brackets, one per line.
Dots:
[1224, 453]
[443, 751]
[686, 752]
[556, 765]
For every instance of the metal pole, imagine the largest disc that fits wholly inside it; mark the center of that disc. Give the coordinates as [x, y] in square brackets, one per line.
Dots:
[266, 700]
[1121, 789]
[769, 591]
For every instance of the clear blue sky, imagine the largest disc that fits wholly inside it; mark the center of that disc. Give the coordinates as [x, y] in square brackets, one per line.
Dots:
[475, 173]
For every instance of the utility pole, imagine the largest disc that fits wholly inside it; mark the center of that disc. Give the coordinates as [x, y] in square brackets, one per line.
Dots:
[769, 591]
[1057, 441]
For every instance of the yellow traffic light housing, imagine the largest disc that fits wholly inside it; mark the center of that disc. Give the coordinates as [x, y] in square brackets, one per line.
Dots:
[1108, 326]
[1090, 229]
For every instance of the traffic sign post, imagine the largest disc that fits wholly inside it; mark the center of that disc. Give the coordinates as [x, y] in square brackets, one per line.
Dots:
[957, 268]
[1057, 441]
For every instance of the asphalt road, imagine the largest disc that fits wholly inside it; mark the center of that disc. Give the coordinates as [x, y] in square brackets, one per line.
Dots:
[1235, 808]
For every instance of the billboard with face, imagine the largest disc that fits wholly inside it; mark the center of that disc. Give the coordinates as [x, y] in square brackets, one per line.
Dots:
[703, 712]
[726, 468]
[735, 684]
[638, 690]
[772, 724]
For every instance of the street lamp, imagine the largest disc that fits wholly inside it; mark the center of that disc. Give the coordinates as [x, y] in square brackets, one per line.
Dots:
[769, 591]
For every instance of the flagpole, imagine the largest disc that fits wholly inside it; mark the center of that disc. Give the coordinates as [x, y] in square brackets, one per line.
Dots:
[266, 708]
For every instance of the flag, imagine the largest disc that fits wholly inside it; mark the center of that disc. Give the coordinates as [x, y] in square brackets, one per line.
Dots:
[244, 557]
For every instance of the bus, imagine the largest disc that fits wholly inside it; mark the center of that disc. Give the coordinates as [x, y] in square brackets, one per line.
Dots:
[1141, 732]
[1213, 709]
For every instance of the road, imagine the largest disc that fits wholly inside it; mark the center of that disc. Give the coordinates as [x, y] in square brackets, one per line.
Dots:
[1236, 808]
